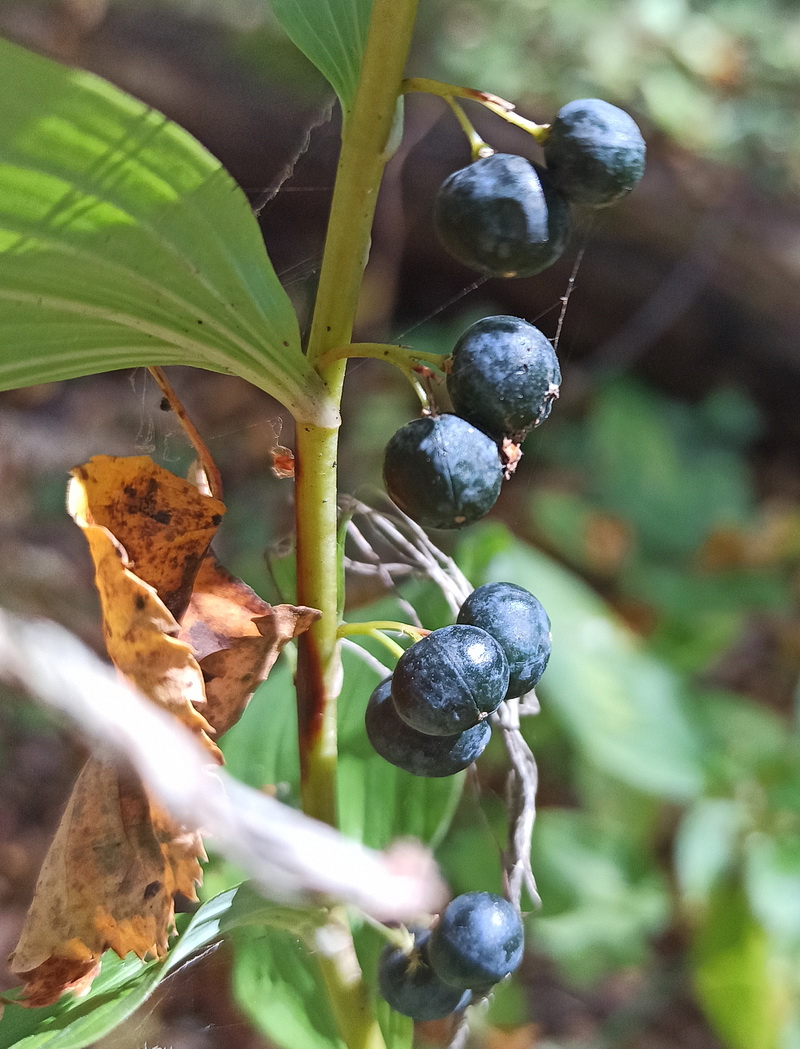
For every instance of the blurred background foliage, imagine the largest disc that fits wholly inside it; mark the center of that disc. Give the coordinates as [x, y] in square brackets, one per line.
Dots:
[656, 515]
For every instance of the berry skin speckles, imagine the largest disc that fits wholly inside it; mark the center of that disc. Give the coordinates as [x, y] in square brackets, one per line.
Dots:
[450, 680]
[442, 471]
[502, 216]
[409, 984]
[479, 940]
[519, 624]
[504, 376]
[595, 152]
[418, 752]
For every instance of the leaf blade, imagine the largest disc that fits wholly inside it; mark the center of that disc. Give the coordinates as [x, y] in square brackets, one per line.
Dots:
[331, 34]
[124, 243]
[124, 984]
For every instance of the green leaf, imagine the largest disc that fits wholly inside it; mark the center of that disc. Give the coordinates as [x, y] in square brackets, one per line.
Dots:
[654, 463]
[124, 243]
[739, 989]
[624, 709]
[602, 905]
[124, 984]
[332, 35]
[278, 984]
[261, 748]
[772, 884]
[706, 846]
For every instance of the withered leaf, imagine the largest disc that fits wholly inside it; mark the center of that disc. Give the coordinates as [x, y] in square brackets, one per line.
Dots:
[140, 632]
[108, 881]
[116, 862]
[163, 521]
[236, 637]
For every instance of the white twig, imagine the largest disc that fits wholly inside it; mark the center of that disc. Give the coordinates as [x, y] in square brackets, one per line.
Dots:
[294, 859]
[521, 786]
[406, 539]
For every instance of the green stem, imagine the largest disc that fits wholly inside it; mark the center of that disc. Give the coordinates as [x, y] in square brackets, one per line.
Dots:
[347, 993]
[406, 360]
[365, 146]
[382, 639]
[401, 356]
[375, 629]
[365, 138]
[478, 148]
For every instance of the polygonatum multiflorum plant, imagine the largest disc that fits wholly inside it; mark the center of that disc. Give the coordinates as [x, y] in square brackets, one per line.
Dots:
[123, 243]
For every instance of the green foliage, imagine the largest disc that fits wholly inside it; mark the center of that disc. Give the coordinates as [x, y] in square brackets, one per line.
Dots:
[124, 984]
[664, 468]
[278, 984]
[602, 906]
[656, 481]
[332, 34]
[124, 243]
[719, 75]
[739, 988]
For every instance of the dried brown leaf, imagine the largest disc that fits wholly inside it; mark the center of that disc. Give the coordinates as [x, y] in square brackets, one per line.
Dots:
[163, 521]
[236, 637]
[108, 881]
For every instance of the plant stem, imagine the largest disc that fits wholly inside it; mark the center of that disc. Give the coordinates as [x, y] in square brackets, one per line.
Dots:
[411, 364]
[365, 137]
[478, 148]
[347, 993]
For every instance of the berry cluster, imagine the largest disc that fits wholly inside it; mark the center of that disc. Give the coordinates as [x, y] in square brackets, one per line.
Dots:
[431, 717]
[477, 942]
[505, 216]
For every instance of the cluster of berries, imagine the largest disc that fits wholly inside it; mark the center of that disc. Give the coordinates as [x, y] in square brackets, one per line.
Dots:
[505, 216]
[477, 942]
[431, 717]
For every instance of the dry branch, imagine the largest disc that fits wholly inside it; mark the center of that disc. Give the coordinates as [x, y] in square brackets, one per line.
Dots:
[293, 859]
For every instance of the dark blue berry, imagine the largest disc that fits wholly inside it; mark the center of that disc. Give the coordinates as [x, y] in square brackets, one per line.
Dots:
[450, 680]
[442, 471]
[411, 987]
[478, 941]
[502, 216]
[520, 625]
[594, 152]
[504, 376]
[417, 752]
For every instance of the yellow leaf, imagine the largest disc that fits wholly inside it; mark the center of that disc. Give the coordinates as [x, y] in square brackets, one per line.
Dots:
[164, 523]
